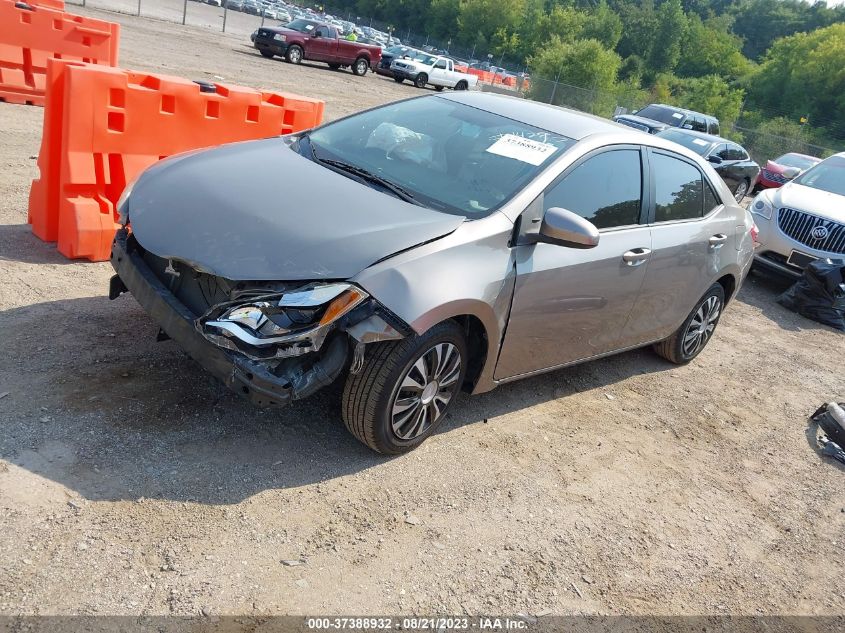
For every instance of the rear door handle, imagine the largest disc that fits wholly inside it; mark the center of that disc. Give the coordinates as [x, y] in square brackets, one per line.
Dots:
[636, 256]
[717, 240]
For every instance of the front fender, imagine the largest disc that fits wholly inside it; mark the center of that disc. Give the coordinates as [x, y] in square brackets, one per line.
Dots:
[469, 272]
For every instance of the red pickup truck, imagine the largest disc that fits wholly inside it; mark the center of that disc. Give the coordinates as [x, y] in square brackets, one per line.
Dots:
[317, 41]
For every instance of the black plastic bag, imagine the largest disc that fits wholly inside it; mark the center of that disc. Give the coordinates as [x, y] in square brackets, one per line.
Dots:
[820, 293]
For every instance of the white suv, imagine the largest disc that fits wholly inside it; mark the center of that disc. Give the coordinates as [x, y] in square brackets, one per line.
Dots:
[803, 220]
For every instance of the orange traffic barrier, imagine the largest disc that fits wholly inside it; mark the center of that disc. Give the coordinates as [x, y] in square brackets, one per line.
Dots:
[30, 35]
[103, 126]
[58, 5]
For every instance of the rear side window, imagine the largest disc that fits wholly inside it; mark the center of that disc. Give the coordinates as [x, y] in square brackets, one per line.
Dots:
[711, 200]
[736, 152]
[678, 193]
[713, 127]
[605, 189]
[697, 123]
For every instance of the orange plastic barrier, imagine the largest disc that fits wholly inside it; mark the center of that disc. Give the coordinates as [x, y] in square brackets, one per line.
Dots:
[103, 126]
[58, 5]
[29, 37]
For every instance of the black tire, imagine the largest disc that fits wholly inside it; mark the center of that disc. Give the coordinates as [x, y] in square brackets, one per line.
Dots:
[294, 54]
[360, 67]
[398, 80]
[421, 80]
[675, 349]
[461, 85]
[741, 190]
[265, 52]
[334, 66]
[368, 396]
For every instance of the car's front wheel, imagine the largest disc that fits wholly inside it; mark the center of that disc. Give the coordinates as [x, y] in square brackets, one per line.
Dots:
[421, 80]
[294, 54]
[696, 331]
[402, 393]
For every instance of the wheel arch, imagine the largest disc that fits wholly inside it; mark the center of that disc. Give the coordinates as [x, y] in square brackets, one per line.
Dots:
[729, 285]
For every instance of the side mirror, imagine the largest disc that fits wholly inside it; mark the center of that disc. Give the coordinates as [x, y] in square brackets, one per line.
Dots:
[316, 35]
[791, 172]
[716, 160]
[565, 228]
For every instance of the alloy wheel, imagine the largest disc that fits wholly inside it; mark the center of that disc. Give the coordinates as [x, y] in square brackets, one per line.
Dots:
[425, 391]
[701, 326]
[741, 190]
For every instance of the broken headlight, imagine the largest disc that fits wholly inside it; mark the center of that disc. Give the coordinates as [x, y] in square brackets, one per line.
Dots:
[122, 214]
[292, 323]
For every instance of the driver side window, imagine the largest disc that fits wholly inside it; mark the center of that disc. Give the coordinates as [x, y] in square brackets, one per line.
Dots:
[441, 64]
[606, 189]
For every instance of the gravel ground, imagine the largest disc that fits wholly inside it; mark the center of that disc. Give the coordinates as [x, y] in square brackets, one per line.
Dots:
[132, 483]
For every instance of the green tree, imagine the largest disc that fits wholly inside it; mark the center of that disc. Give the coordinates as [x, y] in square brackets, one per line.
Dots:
[586, 70]
[640, 25]
[709, 48]
[442, 16]
[710, 94]
[479, 20]
[671, 28]
[604, 25]
[804, 75]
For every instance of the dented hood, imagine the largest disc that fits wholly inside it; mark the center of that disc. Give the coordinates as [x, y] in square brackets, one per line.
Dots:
[260, 211]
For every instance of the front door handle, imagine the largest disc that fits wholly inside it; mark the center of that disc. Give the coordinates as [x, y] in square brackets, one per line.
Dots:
[717, 240]
[636, 256]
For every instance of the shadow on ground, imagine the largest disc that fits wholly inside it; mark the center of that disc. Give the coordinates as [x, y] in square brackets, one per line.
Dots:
[97, 406]
[18, 244]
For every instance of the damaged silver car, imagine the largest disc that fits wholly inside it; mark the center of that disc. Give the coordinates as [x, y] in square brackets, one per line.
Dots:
[431, 245]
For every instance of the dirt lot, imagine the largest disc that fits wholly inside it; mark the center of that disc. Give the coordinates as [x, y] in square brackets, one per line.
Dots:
[131, 482]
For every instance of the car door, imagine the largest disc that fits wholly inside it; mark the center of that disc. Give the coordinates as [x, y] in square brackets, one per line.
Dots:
[727, 168]
[439, 73]
[318, 44]
[692, 237]
[571, 304]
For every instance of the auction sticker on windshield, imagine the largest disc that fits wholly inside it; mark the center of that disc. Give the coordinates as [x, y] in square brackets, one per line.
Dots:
[522, 149]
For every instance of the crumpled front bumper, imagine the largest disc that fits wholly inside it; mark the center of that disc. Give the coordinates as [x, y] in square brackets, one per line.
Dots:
[248, 378]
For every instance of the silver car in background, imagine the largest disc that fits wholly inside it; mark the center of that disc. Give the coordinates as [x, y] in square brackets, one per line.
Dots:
[803, 220]
[444, 242]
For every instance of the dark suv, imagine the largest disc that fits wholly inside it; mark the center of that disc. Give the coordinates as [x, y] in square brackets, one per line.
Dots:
[657, 117]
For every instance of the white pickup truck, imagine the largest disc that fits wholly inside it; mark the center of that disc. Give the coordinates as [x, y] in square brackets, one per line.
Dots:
[423, 69]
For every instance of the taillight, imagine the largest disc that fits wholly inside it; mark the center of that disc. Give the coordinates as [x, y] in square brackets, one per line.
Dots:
[754, 232]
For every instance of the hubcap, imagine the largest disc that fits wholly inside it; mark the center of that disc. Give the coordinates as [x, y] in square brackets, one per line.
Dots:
[294, 55]
[702, 325]
[741, 190]
[425, 391]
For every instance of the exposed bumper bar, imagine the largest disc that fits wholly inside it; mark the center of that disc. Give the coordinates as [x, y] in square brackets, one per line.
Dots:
[250, 379]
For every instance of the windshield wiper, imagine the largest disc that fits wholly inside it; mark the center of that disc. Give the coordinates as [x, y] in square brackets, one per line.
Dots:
[365, 175]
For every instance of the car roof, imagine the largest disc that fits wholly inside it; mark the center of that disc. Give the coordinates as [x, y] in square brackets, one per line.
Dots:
[710, 138]
[570, 123]
[677, 109]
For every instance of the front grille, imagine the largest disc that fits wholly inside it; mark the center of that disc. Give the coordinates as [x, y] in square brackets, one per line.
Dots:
[774, 177]
[801, 227]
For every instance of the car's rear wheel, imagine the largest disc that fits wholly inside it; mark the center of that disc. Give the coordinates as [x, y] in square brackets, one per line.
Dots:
[398, 79]
[421, 80]
[360, 66]
[741, 190]
[402, 393]
[294, 54]
[696, 331]
[461, 85]
[266, 53]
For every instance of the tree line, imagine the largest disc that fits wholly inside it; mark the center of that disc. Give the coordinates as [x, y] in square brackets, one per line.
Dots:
[779, 64]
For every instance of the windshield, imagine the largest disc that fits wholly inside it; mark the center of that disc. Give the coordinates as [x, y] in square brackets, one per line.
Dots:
[303, 26]
[425, 58]
[796, 160]
[448, 156]
[698, 145]
[662, 114]
[828, 175]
